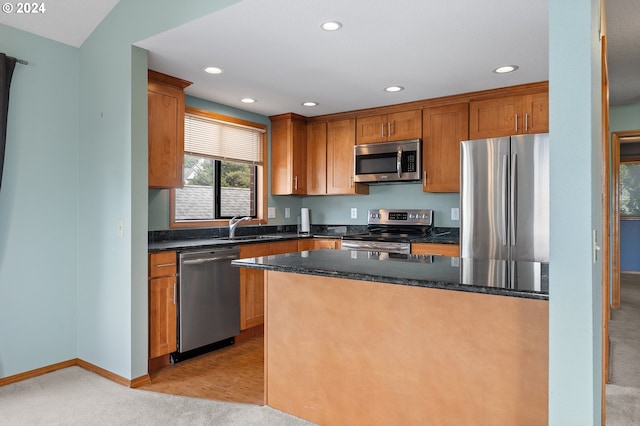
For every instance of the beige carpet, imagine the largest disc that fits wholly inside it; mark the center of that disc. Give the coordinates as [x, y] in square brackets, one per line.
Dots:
[74, 396]
[623, 390]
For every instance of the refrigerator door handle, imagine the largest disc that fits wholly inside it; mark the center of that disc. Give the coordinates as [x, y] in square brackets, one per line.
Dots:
[504, 199]
[514, 197]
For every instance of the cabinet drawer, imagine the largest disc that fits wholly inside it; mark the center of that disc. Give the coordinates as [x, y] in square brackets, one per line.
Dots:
[162, 264]
[450, 250]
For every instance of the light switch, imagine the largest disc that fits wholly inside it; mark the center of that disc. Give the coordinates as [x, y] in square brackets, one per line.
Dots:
[455, 213]
[354, 212]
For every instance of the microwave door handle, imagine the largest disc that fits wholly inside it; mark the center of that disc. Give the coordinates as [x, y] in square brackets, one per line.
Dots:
[399, 163]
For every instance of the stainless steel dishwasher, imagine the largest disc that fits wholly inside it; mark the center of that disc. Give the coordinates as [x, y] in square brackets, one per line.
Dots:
[208, 301]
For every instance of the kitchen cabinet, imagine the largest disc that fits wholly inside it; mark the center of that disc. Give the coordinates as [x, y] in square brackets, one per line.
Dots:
[443, 129]
[330, 158]
[165, 96]
[389, 127]
[449, 250]
[319, 243]
[288, 154]
[252, 288]
[509, 115]
[162, 305]
[317, 158]
[252, 281]
[341, 138]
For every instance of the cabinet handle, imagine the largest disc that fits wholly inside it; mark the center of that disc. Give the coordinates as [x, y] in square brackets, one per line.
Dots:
[389, 127]
[526, 122]
[350, 181]
[164, 265]
[424, 178]
[175, 296]
[382, 130]
[295, 183]
[516, 123]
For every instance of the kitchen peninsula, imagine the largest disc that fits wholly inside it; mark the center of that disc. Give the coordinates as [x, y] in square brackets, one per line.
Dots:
[355, 337]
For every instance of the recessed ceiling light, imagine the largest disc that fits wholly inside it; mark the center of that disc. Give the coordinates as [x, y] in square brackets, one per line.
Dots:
[331, 26]
[310, 104]
[505, 69]
[393, 89]
[213, 70]
[248, 100]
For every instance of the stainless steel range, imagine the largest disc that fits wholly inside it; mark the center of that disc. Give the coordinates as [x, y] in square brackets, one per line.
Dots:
[391, 231]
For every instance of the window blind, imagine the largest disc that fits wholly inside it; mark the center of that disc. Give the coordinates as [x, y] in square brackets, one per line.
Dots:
[222, 141]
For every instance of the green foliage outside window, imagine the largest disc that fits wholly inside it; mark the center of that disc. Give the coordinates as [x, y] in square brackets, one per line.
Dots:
[630, 189]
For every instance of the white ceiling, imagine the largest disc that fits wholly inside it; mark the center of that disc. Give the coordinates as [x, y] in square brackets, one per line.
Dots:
[275, 51]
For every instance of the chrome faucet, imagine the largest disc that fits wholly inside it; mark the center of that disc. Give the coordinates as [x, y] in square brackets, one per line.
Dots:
[234, 222]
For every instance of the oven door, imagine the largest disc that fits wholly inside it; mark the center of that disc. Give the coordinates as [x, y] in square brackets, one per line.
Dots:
[379, 246]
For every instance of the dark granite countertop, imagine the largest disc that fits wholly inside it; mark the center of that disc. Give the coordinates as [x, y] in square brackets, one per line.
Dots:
[205, 243]
[447, 273]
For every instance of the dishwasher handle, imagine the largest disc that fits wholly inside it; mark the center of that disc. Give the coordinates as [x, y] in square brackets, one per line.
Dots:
[208, 259]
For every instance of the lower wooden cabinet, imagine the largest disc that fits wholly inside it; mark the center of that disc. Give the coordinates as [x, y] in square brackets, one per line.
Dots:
[450, 250]
[252, 281]
[319, 243]
[162, 304]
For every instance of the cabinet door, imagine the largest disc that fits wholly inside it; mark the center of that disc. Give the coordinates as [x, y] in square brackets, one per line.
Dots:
[162, 316]
[450, 250]
[404, 125]
[444, 128]
[495, 117]
[371, 129]
[166, 135]
[341, 137]
[288, 156]
[536, 108]
[333, 244]
[252, 288]
[281, 247]
[317, 159]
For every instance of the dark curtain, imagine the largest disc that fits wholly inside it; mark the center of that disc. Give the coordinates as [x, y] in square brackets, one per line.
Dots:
[7, 64]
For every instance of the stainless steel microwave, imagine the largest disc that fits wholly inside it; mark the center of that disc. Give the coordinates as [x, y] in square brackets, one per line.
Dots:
[388, 161]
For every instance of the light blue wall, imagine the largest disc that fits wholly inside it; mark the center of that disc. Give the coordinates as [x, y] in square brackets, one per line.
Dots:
[575, 317]
[112, 302]
[38, 200]
[624, 117]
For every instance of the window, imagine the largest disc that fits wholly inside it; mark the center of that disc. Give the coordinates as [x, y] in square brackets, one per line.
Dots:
[223, 171]
[630, 188]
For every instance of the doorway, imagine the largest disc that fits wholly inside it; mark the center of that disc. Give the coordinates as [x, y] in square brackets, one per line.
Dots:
[625, 158]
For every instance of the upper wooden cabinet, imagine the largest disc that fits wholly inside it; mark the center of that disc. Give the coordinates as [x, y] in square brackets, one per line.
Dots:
[288, 154]
[444, 128]
[509, 115]
[317, 158]
[341, 138]
[389, 127]
[330, 158]
[166, 129]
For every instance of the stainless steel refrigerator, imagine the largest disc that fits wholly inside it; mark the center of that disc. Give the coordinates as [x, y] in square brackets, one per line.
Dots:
[504, 207]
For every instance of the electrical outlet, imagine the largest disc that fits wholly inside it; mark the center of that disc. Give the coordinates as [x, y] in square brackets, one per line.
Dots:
[287, 212]
[455, 213]
[271, 213]
[354, 212]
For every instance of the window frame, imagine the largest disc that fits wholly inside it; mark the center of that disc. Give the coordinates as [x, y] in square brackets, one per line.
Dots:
[261, 177]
